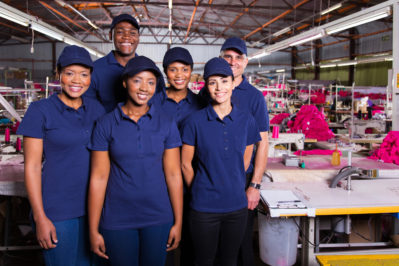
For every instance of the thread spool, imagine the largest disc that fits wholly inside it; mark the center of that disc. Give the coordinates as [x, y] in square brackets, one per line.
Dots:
[276, 130]
[7, 136]
[18, 145]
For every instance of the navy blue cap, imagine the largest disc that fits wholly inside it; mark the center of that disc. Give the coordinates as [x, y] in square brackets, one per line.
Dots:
[140, 63]
[73, 54]
[217, 66]
[235, 43]
[127, 18]
[177, 54]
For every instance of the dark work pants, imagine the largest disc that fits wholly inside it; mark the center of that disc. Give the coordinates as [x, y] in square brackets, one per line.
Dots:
[246, 253]
[217, 232]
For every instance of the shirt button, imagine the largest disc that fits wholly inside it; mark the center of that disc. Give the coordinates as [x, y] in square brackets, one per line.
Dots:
[225, 133]
[226, 148]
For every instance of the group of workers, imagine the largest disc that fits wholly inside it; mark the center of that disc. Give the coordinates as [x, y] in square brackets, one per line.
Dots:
[121, 165]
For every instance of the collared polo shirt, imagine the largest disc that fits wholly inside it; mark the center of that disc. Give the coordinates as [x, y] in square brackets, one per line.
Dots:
[248, 98]
[106, 82]
[66, 133]
[136, 194]
[181, 110]
[219, 182]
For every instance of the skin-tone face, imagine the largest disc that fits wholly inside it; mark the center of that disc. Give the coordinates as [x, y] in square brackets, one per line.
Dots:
[141, 87]
[238, 62]
[126, 38]
[75, 80]
[178, 75]
[220, 89]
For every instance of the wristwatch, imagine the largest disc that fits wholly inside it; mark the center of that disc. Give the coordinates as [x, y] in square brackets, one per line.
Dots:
[254, 185]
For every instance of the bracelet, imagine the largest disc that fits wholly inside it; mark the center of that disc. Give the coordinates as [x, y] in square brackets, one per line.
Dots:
[254, 185]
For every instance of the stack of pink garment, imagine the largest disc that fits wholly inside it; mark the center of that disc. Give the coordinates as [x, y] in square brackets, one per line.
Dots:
[389, 149]
[278, 119]
[310, 121]
[318, 98]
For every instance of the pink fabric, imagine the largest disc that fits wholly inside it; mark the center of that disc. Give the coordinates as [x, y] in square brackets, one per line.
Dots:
[376, 112]
[316, 152]
[377, 107]
[278, 119]
[389, 149]
[318, 98]
[311, 122]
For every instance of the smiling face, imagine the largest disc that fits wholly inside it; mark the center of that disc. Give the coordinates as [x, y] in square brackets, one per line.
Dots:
[140, 87]
[220, 88]
[238, 62]
[75, 80]
[178, 75]
[126, 38]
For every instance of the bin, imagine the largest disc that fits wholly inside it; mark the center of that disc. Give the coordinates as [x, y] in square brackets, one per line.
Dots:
[278, 239]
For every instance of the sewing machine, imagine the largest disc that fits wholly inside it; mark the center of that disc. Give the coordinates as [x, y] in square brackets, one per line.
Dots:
[360, 126]
[286, 138]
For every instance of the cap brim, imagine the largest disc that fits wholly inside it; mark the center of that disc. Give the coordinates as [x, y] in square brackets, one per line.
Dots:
[76, 61]
[131, 73]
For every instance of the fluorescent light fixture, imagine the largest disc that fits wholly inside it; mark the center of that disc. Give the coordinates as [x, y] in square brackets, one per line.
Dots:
[280, 32]
[13, 14]
[362, 19]
[300, 67]
[389, 58]
[11, 17]
[259, 55]
[327, 65]
[347, 63]
[308, 38]
[264, 72]
[71, 41]
[46, 31]
[63, 4]
[332, 8]
[280, 70]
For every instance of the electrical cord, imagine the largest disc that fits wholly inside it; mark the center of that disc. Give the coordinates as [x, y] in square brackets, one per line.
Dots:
[303, 235]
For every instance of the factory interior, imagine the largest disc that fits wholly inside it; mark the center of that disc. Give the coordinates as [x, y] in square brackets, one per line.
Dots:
[328, 71]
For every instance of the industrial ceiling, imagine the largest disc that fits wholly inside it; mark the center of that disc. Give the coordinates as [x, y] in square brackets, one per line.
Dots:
[205, 22]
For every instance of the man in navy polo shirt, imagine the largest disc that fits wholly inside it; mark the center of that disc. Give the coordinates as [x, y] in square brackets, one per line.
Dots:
[106, 83]
[247, 97]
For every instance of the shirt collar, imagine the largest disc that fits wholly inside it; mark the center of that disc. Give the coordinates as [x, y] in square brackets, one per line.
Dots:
[244, 84]
[119, 114]
[212, 115]
[61, 106]
[190, 96]
[112, 60]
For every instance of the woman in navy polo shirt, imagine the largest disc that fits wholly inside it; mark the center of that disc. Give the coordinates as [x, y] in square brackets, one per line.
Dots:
[221, 137]
[136, 187]
[177, 100]
[58, 130]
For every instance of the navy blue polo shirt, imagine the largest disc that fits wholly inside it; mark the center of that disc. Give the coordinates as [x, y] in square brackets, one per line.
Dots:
[106, 82]
[136, 195]
[219, 182]
[181, 110]
[66, 166]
